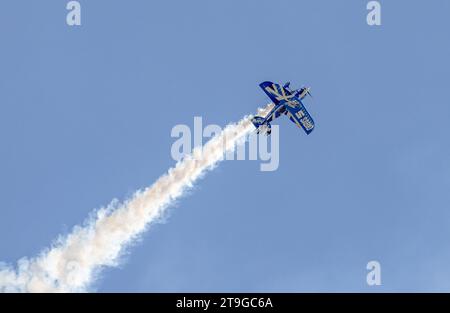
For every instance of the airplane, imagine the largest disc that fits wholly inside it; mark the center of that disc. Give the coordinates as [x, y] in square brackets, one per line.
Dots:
[287, 102]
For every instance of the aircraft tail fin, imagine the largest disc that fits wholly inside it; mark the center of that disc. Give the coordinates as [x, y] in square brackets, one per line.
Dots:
[258, 121]
[261, 125]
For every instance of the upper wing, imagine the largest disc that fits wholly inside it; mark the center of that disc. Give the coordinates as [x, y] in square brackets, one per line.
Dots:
[298, 114]
[275, 92]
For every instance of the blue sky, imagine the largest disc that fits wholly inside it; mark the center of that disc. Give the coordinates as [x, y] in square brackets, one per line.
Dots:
[86, 114]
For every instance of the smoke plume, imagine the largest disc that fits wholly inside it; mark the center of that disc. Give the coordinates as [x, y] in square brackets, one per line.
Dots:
[72, 262]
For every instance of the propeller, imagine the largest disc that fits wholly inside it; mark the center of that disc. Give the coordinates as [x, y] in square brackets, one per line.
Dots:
[309, 93]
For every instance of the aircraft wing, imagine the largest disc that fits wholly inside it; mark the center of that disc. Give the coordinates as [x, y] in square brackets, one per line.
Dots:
[298, 114]
[275, 92]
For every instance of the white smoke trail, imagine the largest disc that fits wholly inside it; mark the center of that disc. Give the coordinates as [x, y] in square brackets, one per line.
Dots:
[72, 262]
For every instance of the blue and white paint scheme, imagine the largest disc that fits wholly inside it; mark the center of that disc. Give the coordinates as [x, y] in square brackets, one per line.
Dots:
[287, 102]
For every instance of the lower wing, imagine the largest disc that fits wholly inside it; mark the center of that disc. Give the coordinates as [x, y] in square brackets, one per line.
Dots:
[300, 117]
